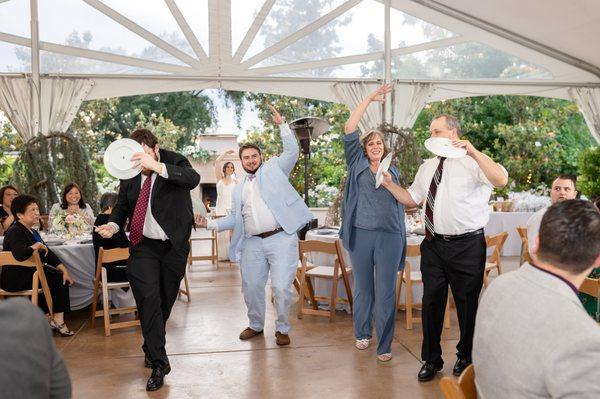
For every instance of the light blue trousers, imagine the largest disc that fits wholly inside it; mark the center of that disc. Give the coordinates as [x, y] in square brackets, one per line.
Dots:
[279, 255]
[375, 259]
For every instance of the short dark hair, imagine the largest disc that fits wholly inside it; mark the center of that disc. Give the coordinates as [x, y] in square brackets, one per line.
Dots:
[247, 146]
[226, 164]
[570, 235]
[108, 200]
[144, 136]
[371, 136]
[567, 177]
[451, 122]
[64, 204]
[20, 204]
[3, 190]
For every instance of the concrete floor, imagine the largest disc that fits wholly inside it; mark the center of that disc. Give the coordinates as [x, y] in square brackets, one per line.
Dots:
[209, 361]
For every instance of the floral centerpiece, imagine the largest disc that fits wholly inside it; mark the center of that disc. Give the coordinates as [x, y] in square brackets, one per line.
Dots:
[69, 226]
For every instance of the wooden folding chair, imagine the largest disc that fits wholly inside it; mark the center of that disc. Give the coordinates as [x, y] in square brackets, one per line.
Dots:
[101, 282]
[185, 291]
[493, 261]
[410, 277]
[464, 388]
[525, 255]
[333, 273]
[214, 249]
[591, 286]
[8, 260]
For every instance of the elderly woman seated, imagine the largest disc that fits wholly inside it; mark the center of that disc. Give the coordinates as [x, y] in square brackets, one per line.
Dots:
[21, 239]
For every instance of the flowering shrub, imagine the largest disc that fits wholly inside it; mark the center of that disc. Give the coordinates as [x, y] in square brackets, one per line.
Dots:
[198, 153]
[322, 195]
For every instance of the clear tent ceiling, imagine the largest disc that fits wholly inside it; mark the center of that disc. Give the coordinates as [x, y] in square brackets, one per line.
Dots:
[295, 38]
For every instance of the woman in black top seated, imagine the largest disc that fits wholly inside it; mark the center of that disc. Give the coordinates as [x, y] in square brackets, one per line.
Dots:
[21, 239]
[115, 272]
[7, 194]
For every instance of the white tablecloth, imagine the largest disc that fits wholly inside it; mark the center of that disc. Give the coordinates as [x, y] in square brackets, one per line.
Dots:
[322, 286]
[508, 221]
[81, 263]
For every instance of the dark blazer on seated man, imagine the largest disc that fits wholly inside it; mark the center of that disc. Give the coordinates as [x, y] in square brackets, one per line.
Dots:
[30, 365]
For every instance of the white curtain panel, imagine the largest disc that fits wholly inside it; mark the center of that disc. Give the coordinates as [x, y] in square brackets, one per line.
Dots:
[61, 99]
[14, 101]
[409, 100]
[588, 100]
[352, 94]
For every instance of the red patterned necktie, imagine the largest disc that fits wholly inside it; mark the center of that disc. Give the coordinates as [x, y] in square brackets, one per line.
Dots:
[139, 213]
[435, 181]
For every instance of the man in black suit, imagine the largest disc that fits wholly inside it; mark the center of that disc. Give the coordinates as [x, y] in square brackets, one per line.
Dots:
[158, 205]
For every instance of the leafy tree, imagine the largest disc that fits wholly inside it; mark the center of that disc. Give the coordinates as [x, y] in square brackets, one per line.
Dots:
[589, 173]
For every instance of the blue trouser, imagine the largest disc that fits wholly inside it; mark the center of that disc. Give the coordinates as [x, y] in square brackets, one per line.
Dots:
[375, 258]
[279, 255]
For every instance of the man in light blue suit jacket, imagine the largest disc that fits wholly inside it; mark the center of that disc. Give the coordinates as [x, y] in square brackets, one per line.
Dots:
[266, 214]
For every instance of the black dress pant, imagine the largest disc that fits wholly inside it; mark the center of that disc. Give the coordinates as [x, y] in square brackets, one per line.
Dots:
[155, 270]
[20, 279]
[459, 263]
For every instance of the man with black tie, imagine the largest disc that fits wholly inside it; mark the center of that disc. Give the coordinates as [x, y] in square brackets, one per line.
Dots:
[158, 205]
[455, 193]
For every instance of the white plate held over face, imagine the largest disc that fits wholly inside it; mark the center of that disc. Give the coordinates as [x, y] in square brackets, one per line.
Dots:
[117, 158]
[384, 166]
[443, 147]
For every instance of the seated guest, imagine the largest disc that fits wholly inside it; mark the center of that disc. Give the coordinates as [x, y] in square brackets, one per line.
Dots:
[563, 188]
[7, 194]
[533, 339]
[21, 239]
[31, 366]
[115, 271]
[72, 202]
[590, 303]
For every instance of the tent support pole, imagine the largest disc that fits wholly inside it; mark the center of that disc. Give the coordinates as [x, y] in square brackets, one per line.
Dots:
[35, 84]
[388, 106]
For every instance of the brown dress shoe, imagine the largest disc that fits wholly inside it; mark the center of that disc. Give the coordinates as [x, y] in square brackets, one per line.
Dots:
[282, 339]
[249, 333]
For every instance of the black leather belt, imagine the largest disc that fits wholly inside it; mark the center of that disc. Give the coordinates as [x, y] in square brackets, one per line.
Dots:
[269, 233]
[446, 237]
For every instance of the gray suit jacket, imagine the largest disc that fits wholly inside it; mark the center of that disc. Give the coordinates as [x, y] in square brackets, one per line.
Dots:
[30, 365]
[533, 339]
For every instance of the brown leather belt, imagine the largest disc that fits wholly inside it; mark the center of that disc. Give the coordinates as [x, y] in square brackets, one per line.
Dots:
[269, 233]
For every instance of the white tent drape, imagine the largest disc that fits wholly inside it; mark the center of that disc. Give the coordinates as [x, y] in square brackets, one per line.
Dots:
[352, 94]
[409, 100]
[588, 100]
[15, 102]
[61, 98]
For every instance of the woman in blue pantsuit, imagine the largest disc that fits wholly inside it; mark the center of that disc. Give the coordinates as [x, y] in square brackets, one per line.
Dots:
[373, 232]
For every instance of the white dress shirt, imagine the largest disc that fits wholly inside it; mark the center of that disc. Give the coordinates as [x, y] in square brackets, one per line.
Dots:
[258, 218]
[461, 202]
[151, 227]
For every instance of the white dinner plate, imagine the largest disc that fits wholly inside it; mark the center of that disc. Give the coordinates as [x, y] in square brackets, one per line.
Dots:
[384, 166]
[117, 158]
[443, 147]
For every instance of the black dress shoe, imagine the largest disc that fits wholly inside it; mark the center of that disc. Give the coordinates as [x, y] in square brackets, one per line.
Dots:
[428, 371]
[460, 366]
[147, 362]
[157, 378]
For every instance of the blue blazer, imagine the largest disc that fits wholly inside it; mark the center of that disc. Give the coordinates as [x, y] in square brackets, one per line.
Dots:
[357, 162]
[283, 200]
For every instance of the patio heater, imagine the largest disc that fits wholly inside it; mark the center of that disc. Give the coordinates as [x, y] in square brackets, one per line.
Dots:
[307, 129]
